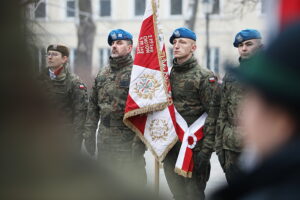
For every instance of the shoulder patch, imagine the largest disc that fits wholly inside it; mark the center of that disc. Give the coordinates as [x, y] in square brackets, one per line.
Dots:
[82, 86]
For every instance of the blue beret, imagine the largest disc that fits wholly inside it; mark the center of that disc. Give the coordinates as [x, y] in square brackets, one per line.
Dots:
[118, 34]
[182, 33]
[244, 35]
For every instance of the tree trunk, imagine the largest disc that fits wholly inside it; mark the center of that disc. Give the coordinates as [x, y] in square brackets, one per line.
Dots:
[85, 33]
[192, 14]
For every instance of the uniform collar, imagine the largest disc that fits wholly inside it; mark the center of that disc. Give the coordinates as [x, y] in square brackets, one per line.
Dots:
[189, 64]
[120, 62]
[58, 74]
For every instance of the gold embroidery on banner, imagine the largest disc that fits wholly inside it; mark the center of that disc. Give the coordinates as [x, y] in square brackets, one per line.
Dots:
[159, 129]
[146, 86]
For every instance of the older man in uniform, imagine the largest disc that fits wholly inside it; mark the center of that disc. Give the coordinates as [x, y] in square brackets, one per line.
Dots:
[192, 90]
[118, 147]
[66, 91]
[228, 137]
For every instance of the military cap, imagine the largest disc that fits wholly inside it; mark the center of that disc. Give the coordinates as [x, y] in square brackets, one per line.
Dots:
[275, 70]
[118, 34]
[60, 48]
[183, 33]
[244, 35]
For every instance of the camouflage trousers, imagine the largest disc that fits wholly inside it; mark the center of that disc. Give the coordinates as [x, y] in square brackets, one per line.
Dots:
[185, 188]
[115, 151]
[230, 166]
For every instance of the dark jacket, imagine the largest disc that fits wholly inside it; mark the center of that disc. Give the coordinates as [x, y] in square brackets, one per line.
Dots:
[278, 177]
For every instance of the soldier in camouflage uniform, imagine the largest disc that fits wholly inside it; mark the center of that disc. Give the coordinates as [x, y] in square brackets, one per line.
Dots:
[192, 90]
[118, 147]
[228, 138]
[66, 91]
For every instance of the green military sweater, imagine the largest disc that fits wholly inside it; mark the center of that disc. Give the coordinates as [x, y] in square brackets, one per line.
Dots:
[68, 95]
[228, 132]
[193, 88]
[107, 103]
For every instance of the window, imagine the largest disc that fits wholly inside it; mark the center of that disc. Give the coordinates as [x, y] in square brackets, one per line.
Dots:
[170, 57]
[263, 6]
[71, 8]
[133, 52]
[216, 7]
[176, 7]
[105, 8]
[40, 59]
[40, 10]
[139, 7]
[104, 54]
[214, 55]
[72, 57]
[43, 60]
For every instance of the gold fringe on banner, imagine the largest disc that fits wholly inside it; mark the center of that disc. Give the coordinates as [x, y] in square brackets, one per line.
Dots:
[183, 173]
[160, 158]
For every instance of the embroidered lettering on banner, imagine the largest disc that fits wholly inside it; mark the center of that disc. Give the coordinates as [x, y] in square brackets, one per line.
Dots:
[145, 45]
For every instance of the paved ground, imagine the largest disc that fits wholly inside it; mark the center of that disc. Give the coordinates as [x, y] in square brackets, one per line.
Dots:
[217, 176]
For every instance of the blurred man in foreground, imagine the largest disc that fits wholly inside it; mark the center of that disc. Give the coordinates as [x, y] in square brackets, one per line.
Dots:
[37, 161]
[270, 121]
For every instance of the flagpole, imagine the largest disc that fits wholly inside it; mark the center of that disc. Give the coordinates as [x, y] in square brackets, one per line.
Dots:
[156, 177]
[156, 164]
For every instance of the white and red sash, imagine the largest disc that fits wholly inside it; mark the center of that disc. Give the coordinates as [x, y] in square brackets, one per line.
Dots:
[189, 137]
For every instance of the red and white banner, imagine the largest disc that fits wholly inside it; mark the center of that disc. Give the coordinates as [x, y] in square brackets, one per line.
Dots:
[281, 13]
[184, 164]
[150, 111]
[149, 108]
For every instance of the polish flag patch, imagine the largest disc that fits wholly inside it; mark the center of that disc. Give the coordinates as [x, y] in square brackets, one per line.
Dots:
[81, 86]
[212, 79]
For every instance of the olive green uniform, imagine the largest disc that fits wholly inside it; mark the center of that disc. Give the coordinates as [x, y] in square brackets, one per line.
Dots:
[118, 146]
[68, 96]
[228, 136]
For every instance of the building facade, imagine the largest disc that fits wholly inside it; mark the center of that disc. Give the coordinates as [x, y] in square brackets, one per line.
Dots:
[55, 21]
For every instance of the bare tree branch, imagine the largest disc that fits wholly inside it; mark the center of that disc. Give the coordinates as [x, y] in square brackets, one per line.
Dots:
[86, 33]
[192, 14]
[241, 7]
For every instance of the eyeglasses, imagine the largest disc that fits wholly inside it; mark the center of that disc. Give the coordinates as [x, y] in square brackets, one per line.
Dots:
[52, 54]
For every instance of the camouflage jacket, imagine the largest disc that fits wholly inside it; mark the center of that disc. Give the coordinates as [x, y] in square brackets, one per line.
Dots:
[69, 96]
[228, 135]
[107, 102]
[192, 92]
